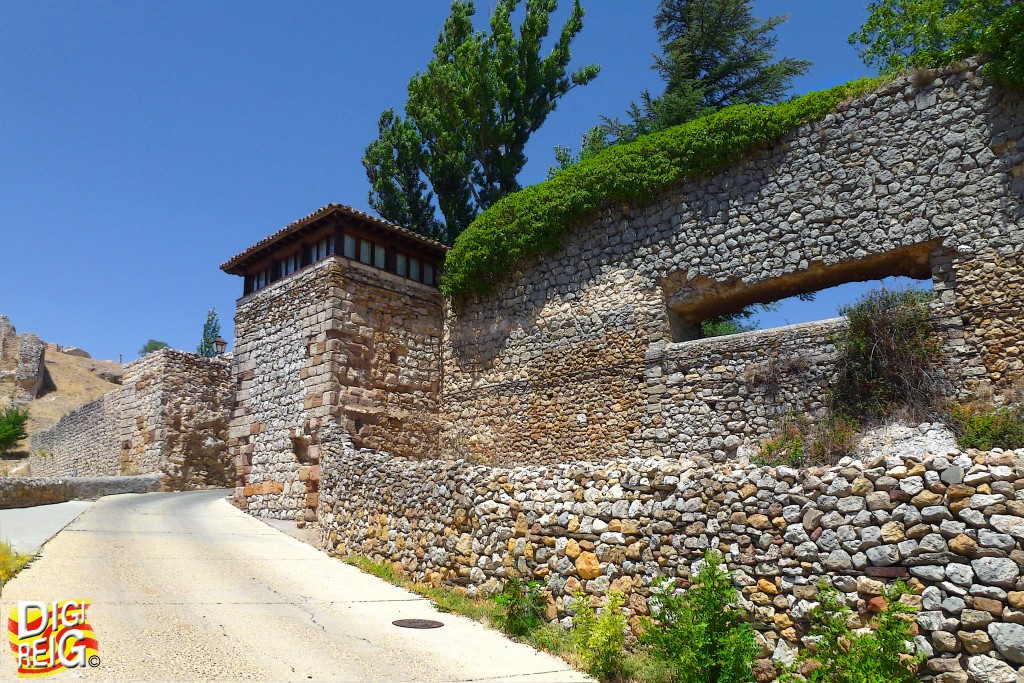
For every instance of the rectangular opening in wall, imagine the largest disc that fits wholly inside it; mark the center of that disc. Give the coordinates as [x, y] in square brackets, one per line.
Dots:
[702, 307]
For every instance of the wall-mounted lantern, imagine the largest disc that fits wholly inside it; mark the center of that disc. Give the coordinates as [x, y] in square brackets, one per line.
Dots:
[219, 345]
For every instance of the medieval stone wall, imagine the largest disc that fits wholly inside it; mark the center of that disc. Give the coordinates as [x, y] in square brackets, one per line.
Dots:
[169, 416]
[567, 359]
[713, 395]
[952, 523]
[338, 343]
[83, 443]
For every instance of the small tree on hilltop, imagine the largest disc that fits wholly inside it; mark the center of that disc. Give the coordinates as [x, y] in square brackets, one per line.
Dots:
[211, 330]
[151, 346]
[12, 428]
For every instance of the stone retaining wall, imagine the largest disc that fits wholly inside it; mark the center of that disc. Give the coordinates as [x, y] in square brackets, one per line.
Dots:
[952, 524]
[170, 416]
[20, 492]
[566, 359]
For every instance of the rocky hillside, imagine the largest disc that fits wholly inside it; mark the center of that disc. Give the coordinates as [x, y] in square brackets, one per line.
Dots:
[49, 379]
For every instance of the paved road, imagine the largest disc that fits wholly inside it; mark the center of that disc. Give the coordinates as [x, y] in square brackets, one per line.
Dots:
[26, 529]
[185, 587]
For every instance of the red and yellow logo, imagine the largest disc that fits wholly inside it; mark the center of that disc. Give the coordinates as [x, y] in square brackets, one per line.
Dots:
[48, 637]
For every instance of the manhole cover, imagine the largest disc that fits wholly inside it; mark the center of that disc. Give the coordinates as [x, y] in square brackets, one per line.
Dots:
[417, 623]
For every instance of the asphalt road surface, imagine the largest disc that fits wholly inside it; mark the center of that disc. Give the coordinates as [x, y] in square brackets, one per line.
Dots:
[185, 587]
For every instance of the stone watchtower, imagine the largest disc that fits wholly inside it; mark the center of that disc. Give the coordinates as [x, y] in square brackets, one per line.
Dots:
[339, 323]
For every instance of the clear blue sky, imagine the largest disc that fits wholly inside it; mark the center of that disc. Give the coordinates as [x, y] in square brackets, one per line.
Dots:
[143, 143]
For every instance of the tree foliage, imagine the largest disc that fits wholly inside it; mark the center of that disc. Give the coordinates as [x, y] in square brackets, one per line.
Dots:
[714, 53]
[1004, 43]
[211, 330]
[470, 114]
[904, 34]
[12, 427]
[151, 346]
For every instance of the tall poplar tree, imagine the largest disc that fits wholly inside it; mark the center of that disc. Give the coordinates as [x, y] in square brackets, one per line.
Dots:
[398, 188]
[473, 110]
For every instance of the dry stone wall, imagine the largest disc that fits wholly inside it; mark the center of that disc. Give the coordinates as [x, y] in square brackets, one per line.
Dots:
[170, 416]
[950, 523]
[715, 395]
[567, 359]
[336, 343]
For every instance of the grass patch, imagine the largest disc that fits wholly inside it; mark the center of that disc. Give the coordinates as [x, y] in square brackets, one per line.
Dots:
[444, 598]
[547, 637]
[11, 562]
[597, 643]
[532, 221]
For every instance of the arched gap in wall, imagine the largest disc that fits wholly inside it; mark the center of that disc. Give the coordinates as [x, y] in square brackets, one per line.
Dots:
[693, 302]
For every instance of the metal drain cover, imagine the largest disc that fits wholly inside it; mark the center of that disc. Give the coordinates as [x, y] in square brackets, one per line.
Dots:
[417, 623]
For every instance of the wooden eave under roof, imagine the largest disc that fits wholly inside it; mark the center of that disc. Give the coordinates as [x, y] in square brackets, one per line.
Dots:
[237, 265]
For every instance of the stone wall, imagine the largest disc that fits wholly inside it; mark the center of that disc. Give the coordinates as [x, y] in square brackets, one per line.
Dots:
[713, 395]
[169, 416]
[337, 343]
[567, 359]
[951, 523]
[83, 443]
[22, 492]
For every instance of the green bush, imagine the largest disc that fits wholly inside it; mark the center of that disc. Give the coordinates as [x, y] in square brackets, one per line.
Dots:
[886, 354]
[532, 221]
[700, 634]
[522, 606]
[986, 427]
[880, 655]
[600, 640]
[11, 562]
[1004, 43]
[12, 428]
